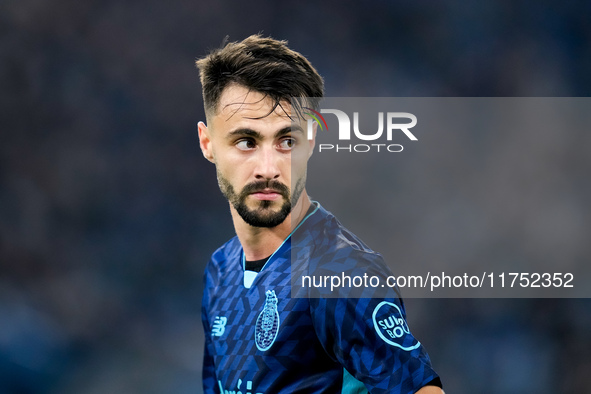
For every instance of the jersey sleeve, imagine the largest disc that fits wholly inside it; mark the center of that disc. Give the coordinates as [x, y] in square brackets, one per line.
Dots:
[370, 338]
[209, 379]
[208, 371]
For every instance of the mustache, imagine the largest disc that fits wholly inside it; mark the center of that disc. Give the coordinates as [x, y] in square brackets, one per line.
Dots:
[275, 186]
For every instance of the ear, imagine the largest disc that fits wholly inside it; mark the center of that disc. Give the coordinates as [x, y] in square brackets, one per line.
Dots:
[205, 141]
[312, 142]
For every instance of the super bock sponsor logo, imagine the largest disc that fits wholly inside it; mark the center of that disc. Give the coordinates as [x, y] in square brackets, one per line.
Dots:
[391, 326]
[267, 323]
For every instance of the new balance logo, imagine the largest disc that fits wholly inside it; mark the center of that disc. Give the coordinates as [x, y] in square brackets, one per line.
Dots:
[219, 326]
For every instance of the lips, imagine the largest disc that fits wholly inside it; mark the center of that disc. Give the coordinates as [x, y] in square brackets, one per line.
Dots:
[265, 191]
[267, 194]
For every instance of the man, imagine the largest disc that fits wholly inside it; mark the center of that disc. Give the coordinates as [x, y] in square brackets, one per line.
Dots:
[260, 338]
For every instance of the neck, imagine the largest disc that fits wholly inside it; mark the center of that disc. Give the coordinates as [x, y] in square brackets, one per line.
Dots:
[260, 242]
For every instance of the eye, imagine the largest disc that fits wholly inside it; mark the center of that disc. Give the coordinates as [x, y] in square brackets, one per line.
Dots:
[287, 143]
[245, 144]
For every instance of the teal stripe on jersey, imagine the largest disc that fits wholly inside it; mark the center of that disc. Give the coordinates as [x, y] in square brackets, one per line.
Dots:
[352, 385]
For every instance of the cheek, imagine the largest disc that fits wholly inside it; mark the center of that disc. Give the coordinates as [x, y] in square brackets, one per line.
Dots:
[226, 161]
[225, 171]
[298, 163]
[296, 174]
[235, 172]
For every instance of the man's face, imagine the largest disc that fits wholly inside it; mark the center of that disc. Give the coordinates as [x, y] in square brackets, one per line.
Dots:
[260, 156]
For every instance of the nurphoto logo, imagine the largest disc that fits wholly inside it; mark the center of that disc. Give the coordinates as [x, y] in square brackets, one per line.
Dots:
[394, 124]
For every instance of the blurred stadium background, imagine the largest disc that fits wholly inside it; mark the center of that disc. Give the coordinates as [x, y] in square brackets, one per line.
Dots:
[108, 212]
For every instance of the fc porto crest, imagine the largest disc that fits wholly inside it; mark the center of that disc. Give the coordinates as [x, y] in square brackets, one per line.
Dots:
[267, 325]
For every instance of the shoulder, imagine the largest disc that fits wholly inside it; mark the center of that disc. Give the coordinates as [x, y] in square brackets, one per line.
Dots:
[334, 241]
[329, 251]
[228, 252]
[231, 247]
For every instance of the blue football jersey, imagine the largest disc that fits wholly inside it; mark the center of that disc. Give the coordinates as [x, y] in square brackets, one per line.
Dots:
[265, 333]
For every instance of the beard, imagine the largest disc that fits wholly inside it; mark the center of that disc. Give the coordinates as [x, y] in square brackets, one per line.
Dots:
[264, 214]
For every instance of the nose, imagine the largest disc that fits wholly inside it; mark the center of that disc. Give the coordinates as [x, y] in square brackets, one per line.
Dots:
[267, 166]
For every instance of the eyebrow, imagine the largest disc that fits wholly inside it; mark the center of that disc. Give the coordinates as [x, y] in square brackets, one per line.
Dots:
[255, 134]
